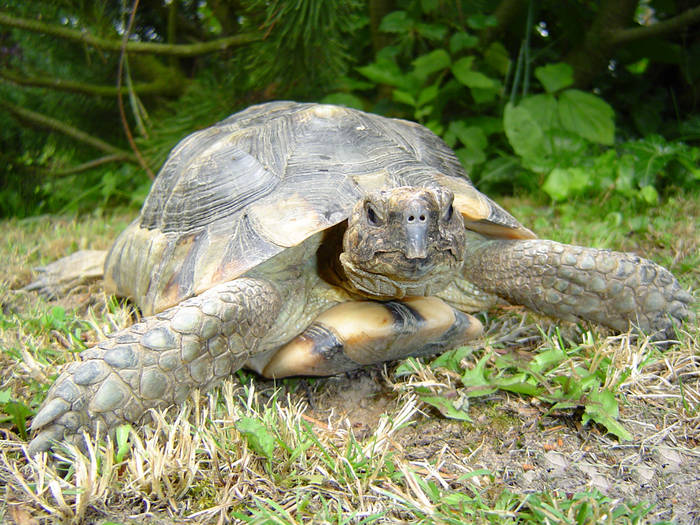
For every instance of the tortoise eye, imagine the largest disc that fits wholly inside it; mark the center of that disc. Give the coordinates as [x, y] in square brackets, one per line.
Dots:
[372, 216]
[450, 211]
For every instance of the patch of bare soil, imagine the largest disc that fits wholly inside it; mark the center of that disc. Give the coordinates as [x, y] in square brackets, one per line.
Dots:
[526, 450]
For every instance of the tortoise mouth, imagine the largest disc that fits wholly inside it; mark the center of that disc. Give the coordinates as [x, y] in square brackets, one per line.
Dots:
[389, 281]
[396, 265]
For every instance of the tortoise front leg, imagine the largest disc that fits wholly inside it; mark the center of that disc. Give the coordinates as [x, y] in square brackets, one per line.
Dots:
[615, 289]
[156, 363]
[353, 334]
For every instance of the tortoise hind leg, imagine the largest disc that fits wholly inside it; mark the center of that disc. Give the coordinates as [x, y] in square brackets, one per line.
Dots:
[353, 334]
[615, 289]
[59, 277]
[157, 362]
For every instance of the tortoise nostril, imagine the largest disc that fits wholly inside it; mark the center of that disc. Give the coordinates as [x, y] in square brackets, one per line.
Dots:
[422, 218]
[411, 218]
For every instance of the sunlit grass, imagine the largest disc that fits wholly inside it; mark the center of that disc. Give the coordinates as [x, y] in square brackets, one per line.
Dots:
[259, 452]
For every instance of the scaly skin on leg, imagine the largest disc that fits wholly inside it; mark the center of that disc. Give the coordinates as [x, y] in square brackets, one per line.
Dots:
[614, 289]
[156, 363]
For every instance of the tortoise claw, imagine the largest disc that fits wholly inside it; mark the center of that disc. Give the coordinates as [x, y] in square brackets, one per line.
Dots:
[45, 440]
[50, 412]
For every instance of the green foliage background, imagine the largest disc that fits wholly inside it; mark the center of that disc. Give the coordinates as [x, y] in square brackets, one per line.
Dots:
[557, 99]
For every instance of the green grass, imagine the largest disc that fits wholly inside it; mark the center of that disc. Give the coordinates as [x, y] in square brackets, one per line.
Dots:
[514, 429]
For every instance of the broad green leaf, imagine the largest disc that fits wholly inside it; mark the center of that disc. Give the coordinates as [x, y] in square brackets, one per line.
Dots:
[500, 170]
[463, 72]
[407, 367]
[564, 405]
[472, 137]
[258, 438]
[482, 95]
[462, 65]
[475, 380]
[452, 359]
[587, 115]
[450, 408]
[497, 57]
[432, 31]
[458, 499]
[477, 472]
[470, 157]
[474, 140]
[389, 54]
[462, 40]
[624, 170]
[564, 182]
[428, 94]
[481, 21]
[435, 126]
[554, 77]
[489, 125]
[546, 360]
[121, 436]
[649, 195]
[602, 408]
[404, 97]
[426, 65]
[422, 112]
[385, 72]
[638, 67]
[571, 389]
[516, 385]
[523, 131]
[344, 99]
[543, 109]
[396, 22]
[18, 412]
[428, 6]
[5, 396]
[569, 148]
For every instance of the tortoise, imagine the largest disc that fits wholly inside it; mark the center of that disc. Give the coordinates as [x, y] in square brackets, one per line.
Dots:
[311, 239]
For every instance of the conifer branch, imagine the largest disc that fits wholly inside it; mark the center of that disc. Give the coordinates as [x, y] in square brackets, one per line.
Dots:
[154, 48]
[159, 87]
[43, 121]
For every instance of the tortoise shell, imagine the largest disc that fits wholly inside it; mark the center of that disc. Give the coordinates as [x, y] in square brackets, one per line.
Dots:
[231, 196]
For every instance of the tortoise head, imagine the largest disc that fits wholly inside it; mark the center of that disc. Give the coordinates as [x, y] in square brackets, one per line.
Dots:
[403, 241]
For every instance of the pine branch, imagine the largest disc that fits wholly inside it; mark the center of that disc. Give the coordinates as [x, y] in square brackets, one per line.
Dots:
[181, 50]
[665, 27]
[159, 87]
[42, 121]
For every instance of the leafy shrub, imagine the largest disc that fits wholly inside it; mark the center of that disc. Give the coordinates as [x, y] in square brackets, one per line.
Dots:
[560, 140]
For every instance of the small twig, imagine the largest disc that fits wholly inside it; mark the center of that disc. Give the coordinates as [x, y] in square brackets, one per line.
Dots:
[92, 164]
[120, 100]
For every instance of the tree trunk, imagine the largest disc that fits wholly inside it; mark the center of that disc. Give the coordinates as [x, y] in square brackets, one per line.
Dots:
[592, 55]
[378, 9]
